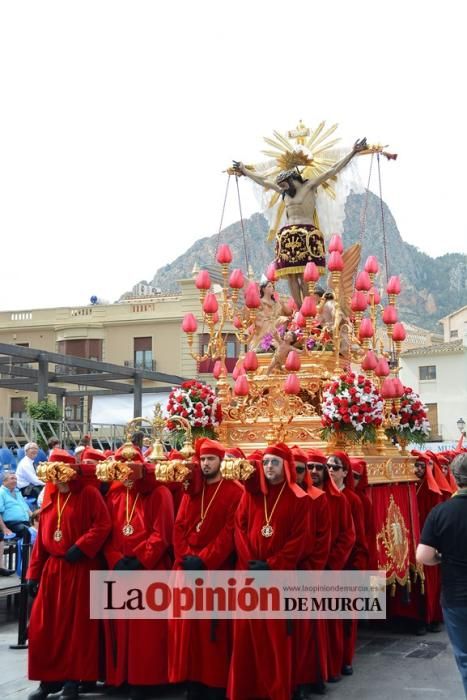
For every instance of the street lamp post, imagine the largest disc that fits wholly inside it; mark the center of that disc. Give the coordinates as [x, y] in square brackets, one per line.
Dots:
[68, 413]
[461, 426]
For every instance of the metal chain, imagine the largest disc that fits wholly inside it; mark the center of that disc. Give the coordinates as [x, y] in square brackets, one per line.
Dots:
[382, 220]
[222, 214]
[365, 206]
[243, 227]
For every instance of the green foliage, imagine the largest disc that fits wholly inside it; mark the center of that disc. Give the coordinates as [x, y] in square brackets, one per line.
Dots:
[416, 437]
[44, 411]
[362, 437]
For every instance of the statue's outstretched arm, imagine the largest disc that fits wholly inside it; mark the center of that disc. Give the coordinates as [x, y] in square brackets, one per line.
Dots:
[267, 184]
[337, 167]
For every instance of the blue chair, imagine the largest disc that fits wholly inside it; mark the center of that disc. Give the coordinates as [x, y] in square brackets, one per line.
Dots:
[7, 459]
[41, 457]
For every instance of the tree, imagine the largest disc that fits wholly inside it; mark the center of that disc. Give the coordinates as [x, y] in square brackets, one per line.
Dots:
[46, 412]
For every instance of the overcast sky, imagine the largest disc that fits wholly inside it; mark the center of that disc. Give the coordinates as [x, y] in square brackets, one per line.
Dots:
[117, 119]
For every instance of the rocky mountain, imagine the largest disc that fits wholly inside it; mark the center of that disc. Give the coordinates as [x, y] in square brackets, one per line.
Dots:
[432, 287]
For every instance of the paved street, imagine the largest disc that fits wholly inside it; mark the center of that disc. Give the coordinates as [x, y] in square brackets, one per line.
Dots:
[390, 664]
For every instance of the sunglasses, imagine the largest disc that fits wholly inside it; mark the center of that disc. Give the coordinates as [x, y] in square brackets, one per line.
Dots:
[274, 462]
[315, 465]
[356, 476]
[300, 470]
[334, 467]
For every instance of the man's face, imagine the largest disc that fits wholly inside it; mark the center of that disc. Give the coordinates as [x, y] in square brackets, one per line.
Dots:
[356, 477]
[420, 469]
[444, 469]
[300, 468]
[210, 465]
[336, 470]
[317, 473]
[10, 481]
[32, 452]
[273, 468]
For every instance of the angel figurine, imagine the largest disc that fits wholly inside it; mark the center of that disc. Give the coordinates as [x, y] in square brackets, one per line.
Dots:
[271, 314]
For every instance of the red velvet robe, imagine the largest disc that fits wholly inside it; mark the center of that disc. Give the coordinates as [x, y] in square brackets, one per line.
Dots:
[363, 492]
[310, 639]
[199, 650]
[129, 656]
[63, 640]
[343, 539]
[261, 664]
[428, 605]
[358, 560]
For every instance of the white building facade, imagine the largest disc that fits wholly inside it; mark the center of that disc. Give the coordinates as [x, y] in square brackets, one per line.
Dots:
[439, 374]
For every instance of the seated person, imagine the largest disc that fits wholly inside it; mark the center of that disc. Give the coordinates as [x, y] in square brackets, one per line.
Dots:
[28, 483]
[14, 511]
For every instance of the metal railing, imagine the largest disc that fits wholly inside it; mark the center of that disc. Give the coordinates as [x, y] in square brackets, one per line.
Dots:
[16, 432]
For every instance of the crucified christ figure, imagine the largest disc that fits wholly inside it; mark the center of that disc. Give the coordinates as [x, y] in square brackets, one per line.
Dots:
[299, 242]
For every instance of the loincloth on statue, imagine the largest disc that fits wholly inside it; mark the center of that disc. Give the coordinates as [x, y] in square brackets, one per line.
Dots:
[296, 245]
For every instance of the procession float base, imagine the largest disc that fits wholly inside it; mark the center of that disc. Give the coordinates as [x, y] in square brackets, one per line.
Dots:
[268, 414]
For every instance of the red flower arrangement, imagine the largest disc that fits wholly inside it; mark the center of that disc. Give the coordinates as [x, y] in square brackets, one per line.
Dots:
[411, 423]
[198, 403]
[351, 404]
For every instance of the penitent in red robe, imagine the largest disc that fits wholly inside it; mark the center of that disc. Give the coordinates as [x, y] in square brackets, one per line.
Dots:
[261, 664]
[136, 649]
[342, 542]
[63, 640]
[358, 561]
[428, 605]
[310, 639]
[199, 650]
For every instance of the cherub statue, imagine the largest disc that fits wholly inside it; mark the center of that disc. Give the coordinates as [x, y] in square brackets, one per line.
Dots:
[285, 346]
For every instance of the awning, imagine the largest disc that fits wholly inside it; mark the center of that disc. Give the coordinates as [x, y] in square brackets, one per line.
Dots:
[117, 409]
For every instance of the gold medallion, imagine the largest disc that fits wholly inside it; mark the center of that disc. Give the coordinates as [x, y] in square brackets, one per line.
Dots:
[267, 530]
[58, 535]
[198, 527]
[128, 529]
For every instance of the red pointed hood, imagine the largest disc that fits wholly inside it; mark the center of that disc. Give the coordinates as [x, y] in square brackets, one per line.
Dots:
[345, 459]
[359, 465]
[206, 446]
[235, 452]
[440, 479]
[429, 478]
[280, 449]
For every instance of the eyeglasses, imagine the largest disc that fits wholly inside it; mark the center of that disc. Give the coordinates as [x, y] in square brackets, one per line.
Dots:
[274, 462]
[300, 470]
[334, 467]
[315, 465]
[356, 476]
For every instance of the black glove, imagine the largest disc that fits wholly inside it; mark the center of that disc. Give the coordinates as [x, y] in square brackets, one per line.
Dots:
[74, 554]
[128, 564]
[133, 564]
[258, 565]
[120, 565]
[192, 563]
[32, 586]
